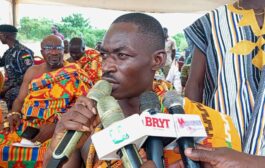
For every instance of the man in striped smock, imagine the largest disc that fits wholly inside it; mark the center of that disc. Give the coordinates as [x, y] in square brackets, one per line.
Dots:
[227, 71]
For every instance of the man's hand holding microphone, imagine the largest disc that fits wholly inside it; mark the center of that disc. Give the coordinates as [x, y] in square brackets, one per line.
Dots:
[80, 121]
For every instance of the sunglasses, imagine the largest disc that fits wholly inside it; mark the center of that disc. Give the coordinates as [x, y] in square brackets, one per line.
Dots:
[49, 48]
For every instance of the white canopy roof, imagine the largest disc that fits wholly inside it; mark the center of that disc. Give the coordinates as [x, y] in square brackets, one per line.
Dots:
[157, 6]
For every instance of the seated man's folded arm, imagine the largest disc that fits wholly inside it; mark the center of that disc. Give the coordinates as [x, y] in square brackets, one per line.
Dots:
[23, 91]
[14, 118]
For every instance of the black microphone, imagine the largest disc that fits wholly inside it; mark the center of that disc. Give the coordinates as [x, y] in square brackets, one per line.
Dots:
[173, 102]
[109, 112]
[149, 102]
[70, 139]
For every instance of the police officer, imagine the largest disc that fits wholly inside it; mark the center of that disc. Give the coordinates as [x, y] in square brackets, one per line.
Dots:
[16, 60]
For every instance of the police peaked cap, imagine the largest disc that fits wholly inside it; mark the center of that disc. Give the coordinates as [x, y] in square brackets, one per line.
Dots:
[8, 28]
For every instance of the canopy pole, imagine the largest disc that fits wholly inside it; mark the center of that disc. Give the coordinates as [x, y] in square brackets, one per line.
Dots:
[14, 12]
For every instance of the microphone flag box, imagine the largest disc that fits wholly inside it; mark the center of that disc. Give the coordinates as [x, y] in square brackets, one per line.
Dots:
[159, 124]
[119, 134]
[188, 125]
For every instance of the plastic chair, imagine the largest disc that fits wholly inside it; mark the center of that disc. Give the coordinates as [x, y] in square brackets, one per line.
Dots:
[38, 60]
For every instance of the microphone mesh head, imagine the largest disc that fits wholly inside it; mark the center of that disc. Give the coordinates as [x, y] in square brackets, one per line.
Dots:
[109, 111]
[172, 98]
[149, 100]
[100, 89]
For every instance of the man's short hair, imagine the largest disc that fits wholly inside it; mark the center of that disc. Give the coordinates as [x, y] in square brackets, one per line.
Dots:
[147, 25]
[5, 28]
[78, 40]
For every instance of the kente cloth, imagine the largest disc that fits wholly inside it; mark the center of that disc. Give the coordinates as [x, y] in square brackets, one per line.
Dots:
[221, 132]
[160, 87]
[16, 60]
[54, 92]
[91, 63]
[49, 96]
[20, 157]
[233, 45]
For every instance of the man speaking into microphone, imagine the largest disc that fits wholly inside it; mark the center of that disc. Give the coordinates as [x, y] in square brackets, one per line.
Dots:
[132, 51]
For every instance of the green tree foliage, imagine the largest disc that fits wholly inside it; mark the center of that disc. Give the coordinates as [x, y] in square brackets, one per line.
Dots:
[74, 25]
[92, 36]
[71, 26]
[76, 20]
[34, 29]
[180, 41]
[77, 26]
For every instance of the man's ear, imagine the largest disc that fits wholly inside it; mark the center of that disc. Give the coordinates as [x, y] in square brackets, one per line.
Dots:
[159, 59]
